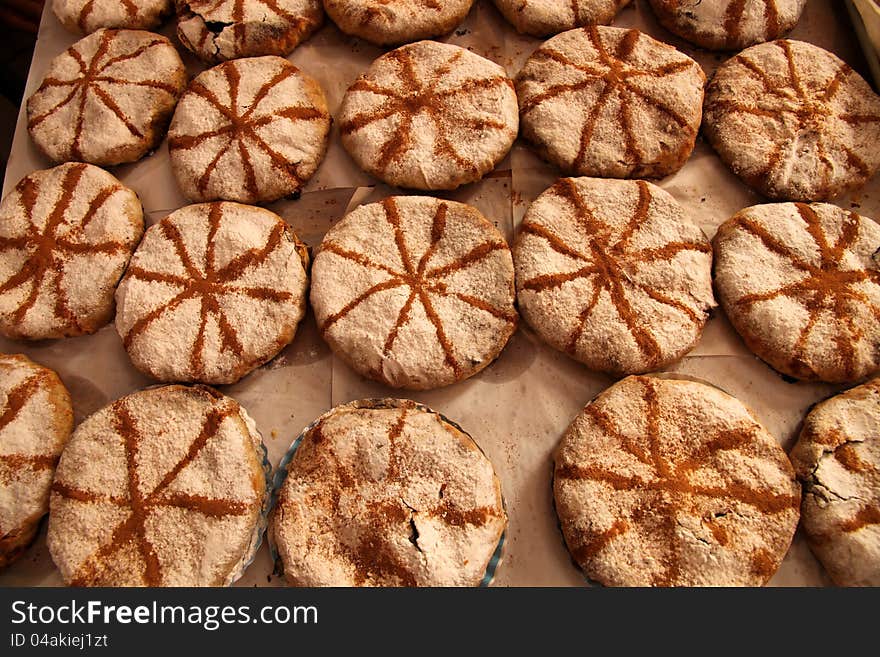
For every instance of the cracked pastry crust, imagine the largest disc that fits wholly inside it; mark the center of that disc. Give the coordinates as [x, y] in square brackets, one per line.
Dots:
[611, 102]
[163, 487]
[800, 283]
[837, 459]
[214, 291]
[415, 292]
[728, 24]
[667, 482]
[251, 130]
[85, 16]
[392, 22]
[66, 236]
[387, 493]
[614, 274]
[36, 418]
[545, 17]
[108, 99]
[793, 121]
[429, 116]
[219, 30]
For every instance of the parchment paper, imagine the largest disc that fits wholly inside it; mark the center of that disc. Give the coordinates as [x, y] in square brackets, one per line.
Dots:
[519, 407]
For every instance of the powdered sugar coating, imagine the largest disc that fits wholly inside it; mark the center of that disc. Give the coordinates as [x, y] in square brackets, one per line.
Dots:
[544, 17]
[36, 418]
[108, 98]
[251, 130]
[213, 291]
[793, 121]
[662, 482]
[614, 274]
[163, 487]
[392, 22]
[801, 285]
[85, 16]
[611, 102]
[429, 116]
[66, 236]
[414, 291]
[387, 493]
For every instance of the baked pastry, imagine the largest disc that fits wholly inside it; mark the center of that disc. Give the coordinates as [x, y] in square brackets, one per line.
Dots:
[214, 291]
[66, 236]
[164, 487]
[728, 24]
[664, 482]
[800, 283]
[217, 30]
[387, 493]
[251, 130]
[545, 17]
[837, 459]
[35, 422]
[793, 121]
[429, 116]
[392, 22]
[611, 102]
[415, 292]
[85, 16]
[108, 98]
[614, 274]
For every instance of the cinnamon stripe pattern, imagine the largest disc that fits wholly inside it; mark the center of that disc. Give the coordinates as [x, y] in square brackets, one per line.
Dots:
[812, 121]
[590, 257]
[55, 222]
[84, 109]
[429, 102]
[419, 294]
[673, 485]
[131, 544]
[86, 16]
[250, 130]
[595, 81]
[543, 17]
[829, 279]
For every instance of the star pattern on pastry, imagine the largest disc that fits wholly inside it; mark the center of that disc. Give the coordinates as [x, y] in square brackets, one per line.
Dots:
[47, 248]
[93, 82]
[668, 490]
[412, 95]
[826, 285]
[140, 504]
[239, 128]
[607, 262]
[14, 465]
[423, 281]
[788, 104]
[612, 73]
[206, 281]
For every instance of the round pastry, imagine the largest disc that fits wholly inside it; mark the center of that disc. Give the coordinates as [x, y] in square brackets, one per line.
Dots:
[85, 16]
[414, 291]
[544, 17]
[392, 22]
[728, 24]
[429, 116]
[793, 121]
[614, 274]
[35, 422]
[164, 487]
[214, 291]
[610, 102]
[66, 236]
[837, 459]
[801, 285]
[251, 130]
[387, 493]
[108, 98]
[217, 30]
[664, 482]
